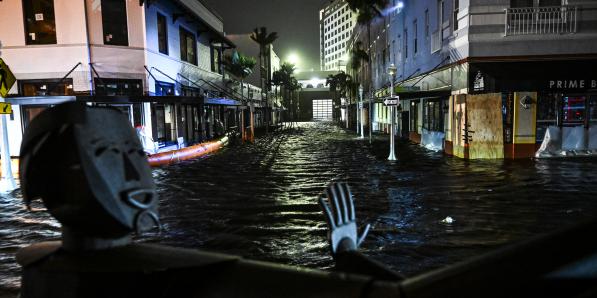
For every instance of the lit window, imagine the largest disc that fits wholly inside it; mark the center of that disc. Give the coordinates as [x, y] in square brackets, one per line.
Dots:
[114, 22]
[188, 47]
[40, 27]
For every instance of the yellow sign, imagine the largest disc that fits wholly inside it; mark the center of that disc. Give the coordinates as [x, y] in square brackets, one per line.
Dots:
[7, 79]
[5, 108]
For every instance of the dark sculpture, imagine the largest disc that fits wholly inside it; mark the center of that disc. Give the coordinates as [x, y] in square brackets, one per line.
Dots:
[89, 169]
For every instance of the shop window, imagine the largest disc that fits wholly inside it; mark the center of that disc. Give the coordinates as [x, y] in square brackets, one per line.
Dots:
[547, 114]
[414, 116]
[188, 47]
[40, 26]
[190, 91]
[51, 87]
[162, 34]
[433, 116]
[165, 123]
[30, 112]
[164, 89]
[574, 110]
[134, 112]
[118, 87]
[114, 22]
[593, 110]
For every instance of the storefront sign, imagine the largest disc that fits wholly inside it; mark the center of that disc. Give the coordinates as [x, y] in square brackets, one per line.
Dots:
[573, 84]
[479, 83]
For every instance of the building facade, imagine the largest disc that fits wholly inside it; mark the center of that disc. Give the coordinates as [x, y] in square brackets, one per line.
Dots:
[158, 61]
[336, 22]
[493, 79]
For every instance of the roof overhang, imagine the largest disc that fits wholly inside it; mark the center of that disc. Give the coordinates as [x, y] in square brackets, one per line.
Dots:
[215, 35]
[54, 100]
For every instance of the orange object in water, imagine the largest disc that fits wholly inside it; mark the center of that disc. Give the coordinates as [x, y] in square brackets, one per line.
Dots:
[175, 156]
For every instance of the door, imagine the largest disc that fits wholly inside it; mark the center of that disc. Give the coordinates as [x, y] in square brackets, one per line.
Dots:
[404, 125]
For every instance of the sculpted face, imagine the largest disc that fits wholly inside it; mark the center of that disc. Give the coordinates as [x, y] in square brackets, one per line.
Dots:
[117, 169]
[89, 168]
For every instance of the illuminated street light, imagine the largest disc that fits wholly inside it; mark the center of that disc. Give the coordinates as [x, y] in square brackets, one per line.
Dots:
[293, 58]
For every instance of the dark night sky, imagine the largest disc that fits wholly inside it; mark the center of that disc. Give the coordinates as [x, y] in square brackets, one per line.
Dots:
[297, 24]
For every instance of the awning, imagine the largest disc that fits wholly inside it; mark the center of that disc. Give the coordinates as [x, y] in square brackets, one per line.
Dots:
[54, 100]
[419, 94]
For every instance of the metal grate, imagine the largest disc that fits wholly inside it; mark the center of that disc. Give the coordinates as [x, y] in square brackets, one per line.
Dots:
[541, 20]
[322, 110]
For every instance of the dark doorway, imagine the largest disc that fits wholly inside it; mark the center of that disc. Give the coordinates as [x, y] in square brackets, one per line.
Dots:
[404, 125]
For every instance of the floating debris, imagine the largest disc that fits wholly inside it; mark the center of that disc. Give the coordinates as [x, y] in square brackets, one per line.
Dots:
[448, 220]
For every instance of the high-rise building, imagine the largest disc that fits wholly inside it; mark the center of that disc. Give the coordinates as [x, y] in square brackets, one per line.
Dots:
[336, 22]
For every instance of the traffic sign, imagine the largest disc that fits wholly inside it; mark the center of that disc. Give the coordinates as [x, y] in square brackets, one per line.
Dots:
[392, 101]
[5, 108]
[7, 79]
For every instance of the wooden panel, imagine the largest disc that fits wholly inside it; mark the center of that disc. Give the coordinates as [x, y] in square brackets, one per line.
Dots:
[484, 117]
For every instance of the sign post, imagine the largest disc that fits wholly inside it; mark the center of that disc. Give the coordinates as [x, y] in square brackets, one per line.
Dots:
[7, 80]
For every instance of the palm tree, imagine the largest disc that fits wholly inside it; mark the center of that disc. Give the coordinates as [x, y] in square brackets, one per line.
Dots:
[286, 79]
[332, 82]
[339, 84]
[367, 11]
[264, 40]
[357, 57]
[241, 66]
[293, 86]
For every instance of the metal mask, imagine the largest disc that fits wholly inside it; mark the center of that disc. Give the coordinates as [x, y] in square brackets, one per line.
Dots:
[88, 167]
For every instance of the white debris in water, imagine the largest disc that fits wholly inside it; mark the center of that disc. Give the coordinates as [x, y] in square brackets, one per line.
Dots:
[448, 220]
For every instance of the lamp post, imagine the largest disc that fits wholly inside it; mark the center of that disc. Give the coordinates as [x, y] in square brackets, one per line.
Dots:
[392, 73]
[360, 113]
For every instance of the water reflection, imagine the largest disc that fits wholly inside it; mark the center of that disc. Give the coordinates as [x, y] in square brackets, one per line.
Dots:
[259, 201]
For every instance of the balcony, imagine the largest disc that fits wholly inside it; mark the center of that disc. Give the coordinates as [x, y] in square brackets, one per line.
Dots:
[541, 20]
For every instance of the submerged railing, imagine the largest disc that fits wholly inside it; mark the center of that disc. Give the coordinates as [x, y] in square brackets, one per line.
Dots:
[541, 20]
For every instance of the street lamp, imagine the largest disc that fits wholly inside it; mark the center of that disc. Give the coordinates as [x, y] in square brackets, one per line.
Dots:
[360, 113]
[392, 72]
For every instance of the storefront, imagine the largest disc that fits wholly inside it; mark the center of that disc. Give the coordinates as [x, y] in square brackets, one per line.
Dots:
[549, 108]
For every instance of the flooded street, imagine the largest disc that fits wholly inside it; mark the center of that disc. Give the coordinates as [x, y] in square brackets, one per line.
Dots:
[260, 201]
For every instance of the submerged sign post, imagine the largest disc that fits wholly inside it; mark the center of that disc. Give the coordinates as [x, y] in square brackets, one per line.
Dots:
[7, 80]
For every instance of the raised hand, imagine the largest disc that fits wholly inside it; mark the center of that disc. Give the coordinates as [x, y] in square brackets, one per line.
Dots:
[338, 208]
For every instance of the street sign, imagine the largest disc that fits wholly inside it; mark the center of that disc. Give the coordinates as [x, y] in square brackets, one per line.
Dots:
[392, 101]
[7, 79]
[5, 108]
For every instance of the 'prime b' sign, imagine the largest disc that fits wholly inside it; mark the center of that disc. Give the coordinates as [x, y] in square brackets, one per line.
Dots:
[573, 84]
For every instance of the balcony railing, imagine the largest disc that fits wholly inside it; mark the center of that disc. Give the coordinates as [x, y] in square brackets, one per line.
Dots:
[541, 20]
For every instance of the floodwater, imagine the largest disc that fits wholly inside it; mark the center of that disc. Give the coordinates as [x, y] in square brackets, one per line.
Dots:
[260, 201]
